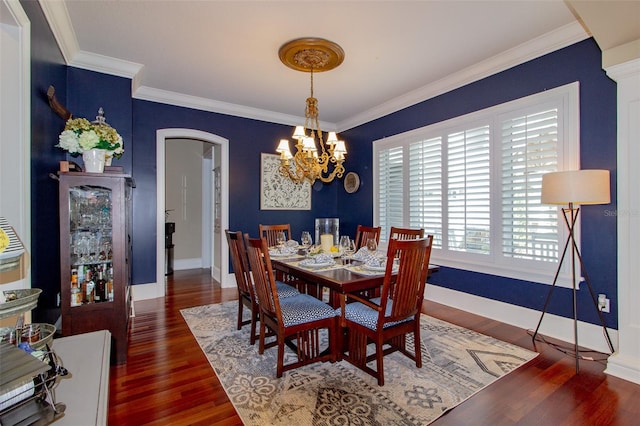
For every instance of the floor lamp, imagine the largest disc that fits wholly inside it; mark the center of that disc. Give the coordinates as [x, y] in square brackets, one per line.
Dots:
[573, 188]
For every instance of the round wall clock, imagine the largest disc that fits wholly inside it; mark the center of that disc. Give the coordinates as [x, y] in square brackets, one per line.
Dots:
[351, 182]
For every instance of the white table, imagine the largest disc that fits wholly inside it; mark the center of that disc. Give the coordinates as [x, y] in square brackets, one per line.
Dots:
[85, 390]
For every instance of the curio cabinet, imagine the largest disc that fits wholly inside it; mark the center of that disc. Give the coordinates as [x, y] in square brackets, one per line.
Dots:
[95, 255]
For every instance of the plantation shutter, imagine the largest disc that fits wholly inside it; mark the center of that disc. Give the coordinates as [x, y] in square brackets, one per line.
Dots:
[425, 188]
[390, 169]
[468, 190]
[529, 150]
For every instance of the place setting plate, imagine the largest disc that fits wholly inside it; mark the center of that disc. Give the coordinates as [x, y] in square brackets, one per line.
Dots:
[317, 265]
[280, 254]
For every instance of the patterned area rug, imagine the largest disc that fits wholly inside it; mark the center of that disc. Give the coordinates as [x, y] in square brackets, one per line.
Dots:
[456, 363]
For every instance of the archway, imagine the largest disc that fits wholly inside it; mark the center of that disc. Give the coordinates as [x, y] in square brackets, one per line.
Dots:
[161, 136]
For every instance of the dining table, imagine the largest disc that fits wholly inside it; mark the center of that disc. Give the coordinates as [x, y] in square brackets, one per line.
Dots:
[345, 276]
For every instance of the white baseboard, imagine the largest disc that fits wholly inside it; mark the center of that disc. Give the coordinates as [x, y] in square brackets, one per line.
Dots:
[624, 367]
[147, 291]
[182, 264]
[229, 282]
[589, 335]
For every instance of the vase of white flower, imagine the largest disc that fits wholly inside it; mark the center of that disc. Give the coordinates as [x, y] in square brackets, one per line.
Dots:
[93, 160]
[80, 136]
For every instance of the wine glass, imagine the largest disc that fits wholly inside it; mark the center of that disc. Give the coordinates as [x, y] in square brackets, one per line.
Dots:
[352, 248]
[345, 242]
[372, 245]
[280, 239]
[306, 241]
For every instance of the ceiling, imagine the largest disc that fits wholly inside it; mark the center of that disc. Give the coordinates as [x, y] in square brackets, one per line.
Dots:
[223, 55]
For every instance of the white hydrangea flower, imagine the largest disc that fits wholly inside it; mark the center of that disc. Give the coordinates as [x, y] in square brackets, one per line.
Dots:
[119, 150]
[68, 140]
[88, 140]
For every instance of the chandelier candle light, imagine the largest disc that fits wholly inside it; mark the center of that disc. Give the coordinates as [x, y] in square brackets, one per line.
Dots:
[312, 161]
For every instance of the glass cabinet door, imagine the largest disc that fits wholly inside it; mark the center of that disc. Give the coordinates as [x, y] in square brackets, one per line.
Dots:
[91, 249]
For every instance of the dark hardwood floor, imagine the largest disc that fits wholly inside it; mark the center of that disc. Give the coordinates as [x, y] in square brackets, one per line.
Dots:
[168, 381]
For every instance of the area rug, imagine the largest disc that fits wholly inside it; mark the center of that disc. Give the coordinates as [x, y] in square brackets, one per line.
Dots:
[456, 363]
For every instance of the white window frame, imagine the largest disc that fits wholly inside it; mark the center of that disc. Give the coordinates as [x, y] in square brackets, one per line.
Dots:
[567, 98]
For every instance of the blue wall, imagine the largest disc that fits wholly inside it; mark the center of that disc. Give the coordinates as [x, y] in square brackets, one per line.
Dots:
[137, 121]
[580, 62]
[47, 68]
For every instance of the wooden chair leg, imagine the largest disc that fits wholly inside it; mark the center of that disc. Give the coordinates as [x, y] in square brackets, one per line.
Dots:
[379, 363]
[335, 333]
[262, 333]
[416, 342]
[240, 305]
[280, 365]
[254, 320]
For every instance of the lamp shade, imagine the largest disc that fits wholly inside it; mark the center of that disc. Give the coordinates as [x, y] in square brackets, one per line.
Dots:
[577, 187]
[299, 133]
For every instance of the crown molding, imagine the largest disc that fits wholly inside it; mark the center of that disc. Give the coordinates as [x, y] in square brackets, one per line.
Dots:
[106, 65]
[547, 43]
[204, 104]
[57, 16]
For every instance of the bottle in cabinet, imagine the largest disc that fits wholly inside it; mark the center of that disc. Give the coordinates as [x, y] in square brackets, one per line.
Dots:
[101, 286]
[76, 295]
[110, 285]
[95, 246]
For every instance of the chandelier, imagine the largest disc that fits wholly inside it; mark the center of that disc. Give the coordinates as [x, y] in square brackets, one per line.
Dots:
[313, 159]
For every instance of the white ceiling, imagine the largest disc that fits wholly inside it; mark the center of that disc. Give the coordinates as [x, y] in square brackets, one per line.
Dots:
[223, 55]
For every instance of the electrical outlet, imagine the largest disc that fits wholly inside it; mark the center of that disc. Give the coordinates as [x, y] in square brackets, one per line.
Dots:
[603, 303]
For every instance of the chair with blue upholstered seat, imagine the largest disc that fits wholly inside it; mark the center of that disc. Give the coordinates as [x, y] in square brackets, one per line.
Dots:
[296, 321]
[387, 320]
[246, 291]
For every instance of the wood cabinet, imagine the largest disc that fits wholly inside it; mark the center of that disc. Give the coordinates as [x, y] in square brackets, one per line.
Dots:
[95, 255]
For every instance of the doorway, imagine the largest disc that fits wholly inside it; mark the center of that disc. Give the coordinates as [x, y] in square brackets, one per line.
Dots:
[189, 194]
[15, 132]
[222, 146]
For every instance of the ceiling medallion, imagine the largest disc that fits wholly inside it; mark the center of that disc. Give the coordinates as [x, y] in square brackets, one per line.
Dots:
[311, 53]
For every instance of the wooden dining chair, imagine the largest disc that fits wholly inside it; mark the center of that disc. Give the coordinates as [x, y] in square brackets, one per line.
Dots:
[270, 232]
[405, 233]
[388, 319]
[246, 291]
[246, 295]
[295, 321]
[364, 233]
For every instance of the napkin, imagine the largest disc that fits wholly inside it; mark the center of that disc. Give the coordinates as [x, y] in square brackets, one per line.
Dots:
[366, 256]
[362, 254]
[291, 244]
[375, 261]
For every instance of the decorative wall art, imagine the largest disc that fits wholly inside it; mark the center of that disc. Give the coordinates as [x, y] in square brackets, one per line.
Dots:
[278, 192]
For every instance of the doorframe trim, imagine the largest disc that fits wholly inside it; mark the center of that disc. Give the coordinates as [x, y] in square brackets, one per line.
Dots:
[179, 133]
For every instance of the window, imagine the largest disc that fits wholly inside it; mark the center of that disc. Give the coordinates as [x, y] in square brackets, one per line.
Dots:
[474, 183]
